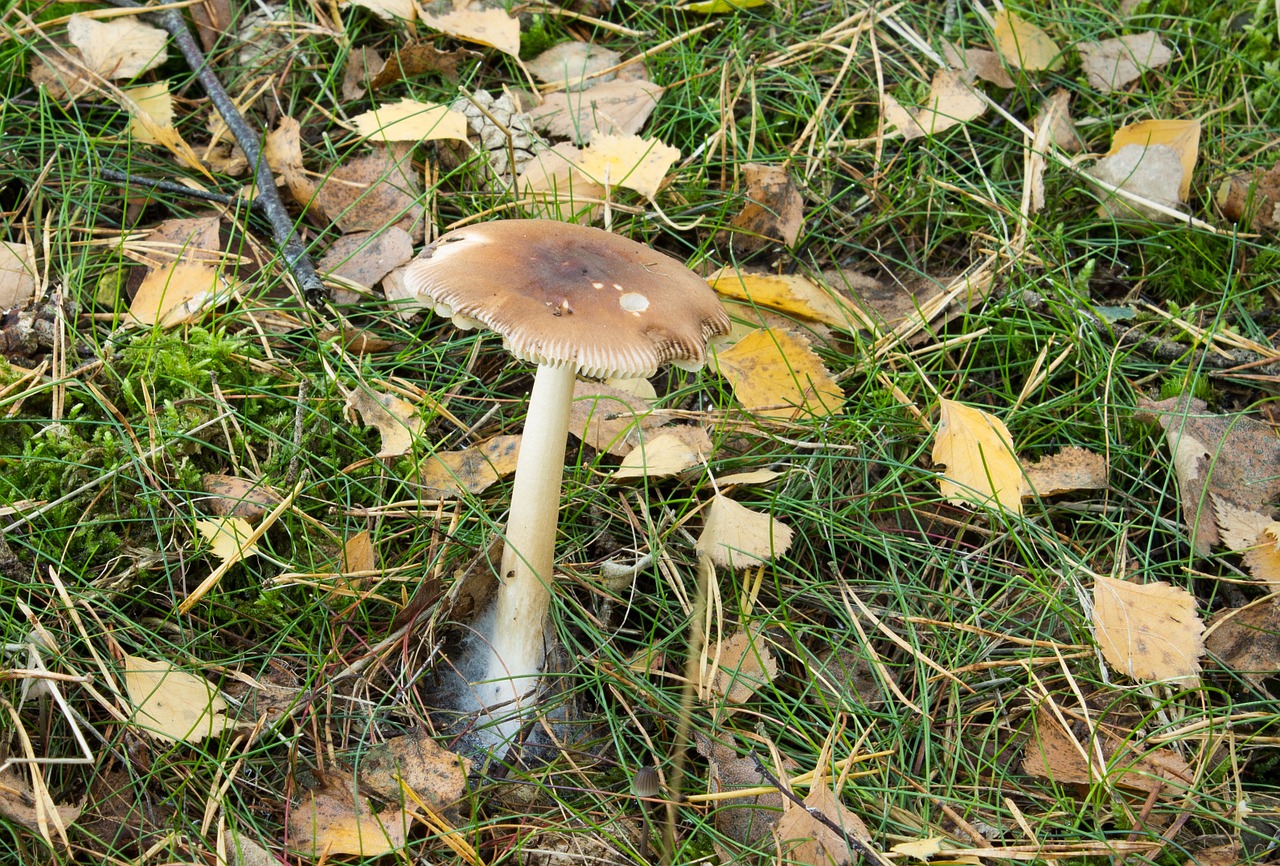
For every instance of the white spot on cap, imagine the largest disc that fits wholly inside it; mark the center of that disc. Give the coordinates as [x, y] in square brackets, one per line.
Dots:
[598, 285]
[633, 302]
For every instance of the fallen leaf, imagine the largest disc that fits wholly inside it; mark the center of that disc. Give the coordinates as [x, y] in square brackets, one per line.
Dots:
[175, 294]
[172, 705]
[719, 7]
[741, 823]
[1252, 198]
[155, 101]
[1112, 63]
[228, 538]
[734, 536]
[410, 61]
[194, 239]
[740, 666]
[471, 470]
[920, 849]
[555, 188]
[609, 419]
[19, 804]
[364, 258]
[370, 193]
[120, 48]
[776, 374]
[977, 450]
[335, 818]
[408, 120]
[17, 274]
[1182, 136]
[1263, 559]
[230, 496]
[951, 102]
[572, 64]
[1072, 468]
[1238, 528]
[628, 161]
[982, 63]
[1023, 45]
[397, 420]
[491, 27]
[612, 108]
[773, 212]
[755, 476]
[1148, 631]
[246, 852]
[1247, 640]
[415, 760]
[806, 840]
[388, 10]
[790, 293]
[211, 18]
[358, 554]
[1055, 110]
[897, 116]
[1053, 753]
[671, 451]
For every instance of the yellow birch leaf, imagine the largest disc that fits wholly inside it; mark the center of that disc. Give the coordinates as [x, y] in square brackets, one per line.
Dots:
[155, 101]
[628, 161]
[227, 536]
[175, 294]
[951, 102]
[172, 705]
[671, 451]
[17, 274]
[1263, 560]
[388, 10]
[790, 293]
[408, 120]
[119, 48]
[734, 536]
[978, 452]
[471, 470]
[397, 420]
[1183, 136]
[1023, 45]
[492, 27]
[336, 819]
[1148, 631]
[774, 373]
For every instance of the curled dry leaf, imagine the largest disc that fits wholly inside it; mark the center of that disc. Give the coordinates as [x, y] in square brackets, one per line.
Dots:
[775, 374]
[977, 450]
[1056, 111]
[1054, 753]
[358, 554]
[396, 419]
[420, 59]
[671, 451]
[1252, 198]
[806, 840]
[437, 776]
[740, 666]
[628, 161]
[920, 849]
[790, 293]
[471, 470]
[22, 806]
[773, 213]
[1112, 63]
[1148, 632]
[734, 536]
[228, 537]
[1072, 468]
[1023, 45]
[409, 120]
[172, 705]
[17, 274]
[155, 101]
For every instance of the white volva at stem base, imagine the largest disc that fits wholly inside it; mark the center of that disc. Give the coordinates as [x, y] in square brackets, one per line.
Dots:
[528, 557]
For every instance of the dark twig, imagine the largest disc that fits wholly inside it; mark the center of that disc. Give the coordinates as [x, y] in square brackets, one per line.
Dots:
[299, 264]
[167, 186]
[854, 845]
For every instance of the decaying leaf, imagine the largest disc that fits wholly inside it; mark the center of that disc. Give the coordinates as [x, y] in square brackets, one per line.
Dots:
[628, 161]
[155, 101]
[119, 48]
[409, 120]
[734, 536]
[1263, 558]
[612, 108]
[1056, 111]
[670, 451]
[609, 419]
[776, 374]
[358, 553]
[981, 62]
[773, 213]
[335, 819]
[1072, 468]
[17, 274]
[741, 822]
[806, 840]
[1247, 639]
[574, 64]
[1112, 63]
[396, 419]
[370, 193]
[419, 59]
[436, 775]
[1252, 198]
[20, 805]
[364, 258]
[471, 470]
[230, 496]
[740, 666]
[557, 189]
[1148, 631]
[977, 450]
[952, 101]
[228, 538]
[492, 27]
[1054, 753]
[172, 705]
[175, 294]
[1023, 45]
[790, 293]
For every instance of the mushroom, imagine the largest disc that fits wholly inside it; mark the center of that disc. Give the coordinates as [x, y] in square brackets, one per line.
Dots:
[573, 300]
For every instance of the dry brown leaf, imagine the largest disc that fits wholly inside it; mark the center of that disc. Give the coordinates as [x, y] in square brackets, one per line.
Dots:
[371, 192]
[806, 840]
[172, 705]
[492, 27]
[175, 294]
[17, 274]
[1230, 456]
[613, 108]
[1252, 198]
[671, 451]
[228, 538]
[194, 239]
[1181, 136]
[362, 66]
[230, 496]
[409, 120]
[951, 102]
[471, 470]
[740, 666]
[628, 161]
[556, 189]
[609, 419]
[397, 420]
[790, 293]
[388, 10]
[977, 450]
[734, 536]
[1148, 631]
[741, 822]
[981, 62]
[571, 63]
[1056, 111]
[1247, 640]
[1072, 468]
[776, 374]
[1238, 528]
[773, 213]
[119, 48]
[18, 804]
[1023, 45]
[211, 18]
[436, 775]
[364, 258]
[414, 60]
[335, 819]
[1112, 63]
[1053, 753]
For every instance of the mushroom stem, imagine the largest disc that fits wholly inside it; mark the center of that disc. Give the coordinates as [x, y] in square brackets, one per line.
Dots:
[528, 557]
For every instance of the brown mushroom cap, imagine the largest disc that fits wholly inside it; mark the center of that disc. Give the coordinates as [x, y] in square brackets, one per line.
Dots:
[564, 293]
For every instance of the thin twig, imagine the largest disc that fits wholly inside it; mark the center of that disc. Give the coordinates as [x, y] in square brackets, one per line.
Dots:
[169, 186]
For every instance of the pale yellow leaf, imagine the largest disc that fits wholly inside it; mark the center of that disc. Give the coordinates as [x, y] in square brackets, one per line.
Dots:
[636, 387]
[1263, 559]
[172, 705]
[154, 101]
[556, 189]
[227, 537]
[628, 161]
[920, 849]
[1148, 631]
[1023, 45]
[358, 553]
[1112, 63]
[977, 451]
[755, 476]
[1239, 528]
[471, 470]
[740, 666]
[408, 120]
[612, 108]
[669, 452]
[17, 274]
[175, 294]
[776, 374]
[119, 48]
[734, 536]
[1072, 468]
[390, 10]
[571, 63]
[898, 117]
[951, 102]
[396, 419]
[1182, 136]
[335, 819]
[492, 27]
[790, 293]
